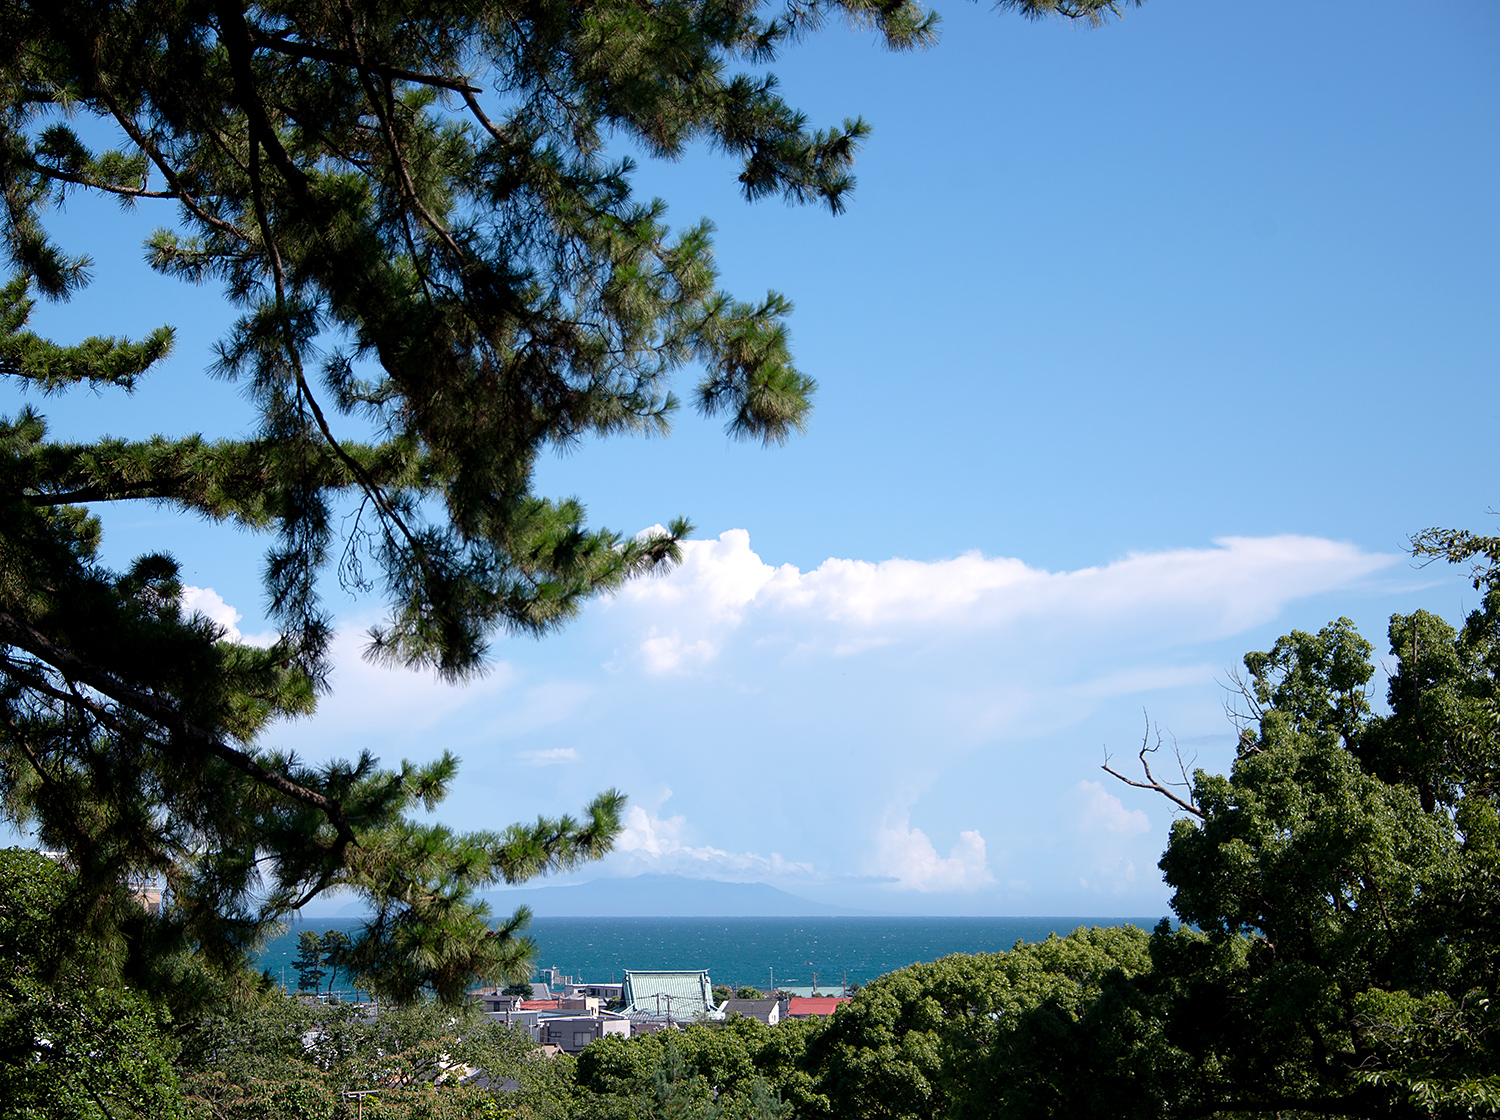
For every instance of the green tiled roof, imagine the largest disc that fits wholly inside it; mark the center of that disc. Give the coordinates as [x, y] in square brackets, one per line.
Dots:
[685, 995]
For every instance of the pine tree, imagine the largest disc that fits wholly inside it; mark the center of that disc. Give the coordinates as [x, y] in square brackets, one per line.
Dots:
[334, 946]
[427, 186]
[309, 962]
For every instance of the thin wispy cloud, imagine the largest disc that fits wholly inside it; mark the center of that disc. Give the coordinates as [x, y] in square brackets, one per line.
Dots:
[650, 842]
[556, 756]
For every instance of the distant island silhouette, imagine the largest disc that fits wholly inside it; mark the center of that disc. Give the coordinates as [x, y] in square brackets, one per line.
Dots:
[640, 896]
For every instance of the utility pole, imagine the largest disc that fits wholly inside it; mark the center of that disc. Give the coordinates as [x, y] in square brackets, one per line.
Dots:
[359, 1096]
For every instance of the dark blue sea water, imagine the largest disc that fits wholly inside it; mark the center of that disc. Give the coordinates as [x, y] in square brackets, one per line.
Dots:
[745, 950]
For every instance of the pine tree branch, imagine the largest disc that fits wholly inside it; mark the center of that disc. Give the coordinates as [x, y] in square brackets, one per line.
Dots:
[21, 741]
[225, 478]
[169, 173]
[236, 36]
[149, 489]
[94, 184]
[18, 632]
[296, 49]
[383, 113]
[484, 121]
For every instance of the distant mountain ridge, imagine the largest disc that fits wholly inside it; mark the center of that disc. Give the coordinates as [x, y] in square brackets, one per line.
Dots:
[640, 896]
[663, 896]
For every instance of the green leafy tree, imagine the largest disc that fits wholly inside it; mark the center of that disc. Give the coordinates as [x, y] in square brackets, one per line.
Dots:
[71, 1048]
[440, 273]
[994, 1034]
[1345, 877]
[283, 1057]
[738, 1070]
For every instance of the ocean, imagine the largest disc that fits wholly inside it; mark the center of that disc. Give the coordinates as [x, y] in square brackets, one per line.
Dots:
[746, 951]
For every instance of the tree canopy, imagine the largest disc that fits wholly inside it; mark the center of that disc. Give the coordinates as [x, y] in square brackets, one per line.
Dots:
[1344, 880]
[69, 1045]
[440, 271]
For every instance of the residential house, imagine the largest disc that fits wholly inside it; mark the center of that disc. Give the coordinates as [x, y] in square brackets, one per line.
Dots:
[604, 993]
[571, 1032]
[528, 1021]
[768, 1011]
[808, 1007]
[492, 1000]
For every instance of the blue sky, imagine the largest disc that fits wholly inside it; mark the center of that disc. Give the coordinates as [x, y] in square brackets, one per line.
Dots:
[1136, 347]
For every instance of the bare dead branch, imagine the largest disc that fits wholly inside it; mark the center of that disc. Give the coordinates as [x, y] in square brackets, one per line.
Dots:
[1151, 781]
[1240, 705]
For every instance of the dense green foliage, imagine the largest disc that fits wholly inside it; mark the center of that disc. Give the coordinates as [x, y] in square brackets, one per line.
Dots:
[1002, 1034]
[295, 1057]
[966, 1035]
[742, 1069]
[71, 1044]
[1347, 878]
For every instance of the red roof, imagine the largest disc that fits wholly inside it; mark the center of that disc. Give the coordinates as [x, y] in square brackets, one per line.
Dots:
[799, 1006]
[539, 1005]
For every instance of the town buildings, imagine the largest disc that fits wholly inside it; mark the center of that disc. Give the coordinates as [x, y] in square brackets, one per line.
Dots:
[568, 1014]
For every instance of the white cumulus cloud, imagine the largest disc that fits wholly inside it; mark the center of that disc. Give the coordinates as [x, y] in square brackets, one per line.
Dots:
[906, 855]
[848, 606]
[1096, 809]
[807, 718]
[723, 576]
[667, 653]
[210, 604]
